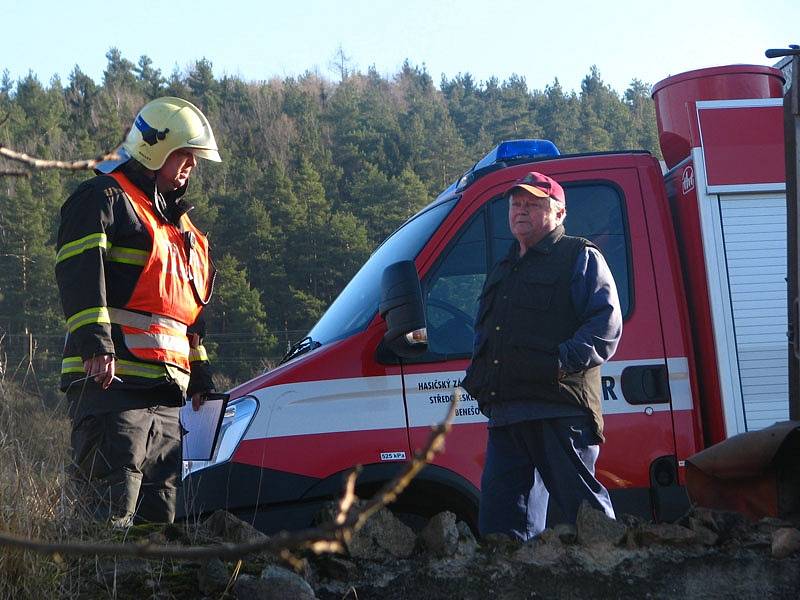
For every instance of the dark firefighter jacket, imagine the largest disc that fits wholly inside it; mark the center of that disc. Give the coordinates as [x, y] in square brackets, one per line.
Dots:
[103, 247]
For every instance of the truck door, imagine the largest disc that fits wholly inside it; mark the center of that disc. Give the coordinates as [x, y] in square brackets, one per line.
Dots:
[606, 209]
[638, 456]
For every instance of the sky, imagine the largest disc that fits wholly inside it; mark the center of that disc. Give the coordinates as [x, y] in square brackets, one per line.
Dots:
[260, 39]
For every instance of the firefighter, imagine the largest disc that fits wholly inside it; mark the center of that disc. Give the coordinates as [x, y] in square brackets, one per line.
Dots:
[133, 274]
[548, 317]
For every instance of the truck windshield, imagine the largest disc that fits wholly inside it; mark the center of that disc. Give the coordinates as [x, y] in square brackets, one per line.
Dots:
[355, 307]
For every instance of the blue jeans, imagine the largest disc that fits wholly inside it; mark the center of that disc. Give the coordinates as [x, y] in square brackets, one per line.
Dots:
[529, 462]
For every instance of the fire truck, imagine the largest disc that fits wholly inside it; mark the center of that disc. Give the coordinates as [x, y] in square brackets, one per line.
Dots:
[698, 251]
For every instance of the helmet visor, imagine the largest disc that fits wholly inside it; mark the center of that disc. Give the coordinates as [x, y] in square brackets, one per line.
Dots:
[206, 153]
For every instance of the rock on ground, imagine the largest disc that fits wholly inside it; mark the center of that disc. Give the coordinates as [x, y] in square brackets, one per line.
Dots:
[440, 535]
[383, 537]
[596, 528]
[671, 534]
[229, 528]
[286, 584]
[213, 577]
[708, 554]
[785, 542]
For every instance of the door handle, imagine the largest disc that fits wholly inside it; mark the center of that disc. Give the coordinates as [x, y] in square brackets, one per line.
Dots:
[645, 384]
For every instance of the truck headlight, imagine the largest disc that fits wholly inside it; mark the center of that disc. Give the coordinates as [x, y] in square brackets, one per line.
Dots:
[238, 416]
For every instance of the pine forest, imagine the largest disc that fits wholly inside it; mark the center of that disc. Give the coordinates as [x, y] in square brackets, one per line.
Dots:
[316, 172]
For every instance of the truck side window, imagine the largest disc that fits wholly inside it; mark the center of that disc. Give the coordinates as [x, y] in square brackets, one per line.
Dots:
[452, 290]
[594, 211]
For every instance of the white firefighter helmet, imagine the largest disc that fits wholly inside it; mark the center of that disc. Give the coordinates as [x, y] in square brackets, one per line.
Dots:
[162, 126]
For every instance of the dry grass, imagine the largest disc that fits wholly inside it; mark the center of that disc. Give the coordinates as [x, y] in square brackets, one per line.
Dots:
[34, 450]
[33, 446]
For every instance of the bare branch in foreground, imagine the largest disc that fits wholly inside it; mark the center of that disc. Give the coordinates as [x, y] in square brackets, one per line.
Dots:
[329, 537]
[40, 163]
[349, 497]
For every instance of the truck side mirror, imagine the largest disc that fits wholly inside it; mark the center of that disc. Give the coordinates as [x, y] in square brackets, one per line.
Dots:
[403, 310]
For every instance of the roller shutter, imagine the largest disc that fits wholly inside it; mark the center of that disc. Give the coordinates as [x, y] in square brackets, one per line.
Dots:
[754, 232]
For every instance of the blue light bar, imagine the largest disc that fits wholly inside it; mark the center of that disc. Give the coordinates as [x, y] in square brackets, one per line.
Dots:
[518, 149]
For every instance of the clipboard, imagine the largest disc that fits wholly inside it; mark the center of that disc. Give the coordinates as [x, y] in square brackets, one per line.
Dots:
[201, 428]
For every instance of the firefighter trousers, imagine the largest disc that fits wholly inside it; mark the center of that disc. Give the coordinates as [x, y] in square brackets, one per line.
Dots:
[126, 464]
[532, 462]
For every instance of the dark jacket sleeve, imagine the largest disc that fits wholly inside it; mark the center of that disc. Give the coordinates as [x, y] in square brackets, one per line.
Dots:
[594, 296]
[200, 379]
[85, 232]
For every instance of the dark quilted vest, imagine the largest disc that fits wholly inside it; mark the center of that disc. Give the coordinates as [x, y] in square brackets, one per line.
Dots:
[525, 311]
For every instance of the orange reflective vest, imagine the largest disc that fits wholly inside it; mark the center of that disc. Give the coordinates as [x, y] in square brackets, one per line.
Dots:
[172, 288]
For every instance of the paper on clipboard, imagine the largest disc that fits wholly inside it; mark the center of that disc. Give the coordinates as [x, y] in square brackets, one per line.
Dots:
[201, 427]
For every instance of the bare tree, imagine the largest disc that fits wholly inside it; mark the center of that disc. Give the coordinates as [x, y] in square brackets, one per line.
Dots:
[341, 63]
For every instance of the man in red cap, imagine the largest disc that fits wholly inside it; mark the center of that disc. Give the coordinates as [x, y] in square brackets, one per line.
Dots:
[548, 317]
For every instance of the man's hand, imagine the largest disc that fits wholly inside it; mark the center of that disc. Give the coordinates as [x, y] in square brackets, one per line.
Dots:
[194, 339]
[102, 368]
[198, 398]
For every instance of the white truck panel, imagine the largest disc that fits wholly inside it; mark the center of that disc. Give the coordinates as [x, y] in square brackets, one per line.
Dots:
[744, 241]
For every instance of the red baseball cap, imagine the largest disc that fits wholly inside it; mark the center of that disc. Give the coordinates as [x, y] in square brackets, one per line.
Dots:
[540, 186]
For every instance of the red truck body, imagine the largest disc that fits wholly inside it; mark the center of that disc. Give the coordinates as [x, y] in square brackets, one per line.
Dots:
[699, 263]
